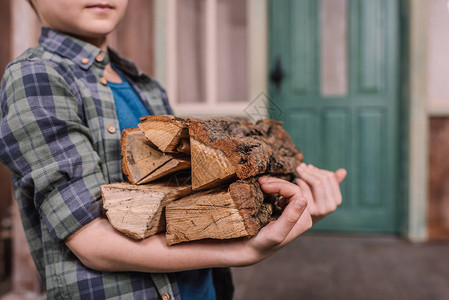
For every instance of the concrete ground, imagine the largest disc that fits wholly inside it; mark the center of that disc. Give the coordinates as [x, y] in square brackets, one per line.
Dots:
[338, 267]
[318, 267]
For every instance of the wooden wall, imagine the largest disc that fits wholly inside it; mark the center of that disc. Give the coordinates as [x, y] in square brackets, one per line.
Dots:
[5, 34]
[5, 178]
[5, 54]
[438, 214]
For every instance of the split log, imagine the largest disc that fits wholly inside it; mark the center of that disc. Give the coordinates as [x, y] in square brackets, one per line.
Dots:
[239, 210]
[137, 210]
[142, 163]
[223, 149]
[166, 132]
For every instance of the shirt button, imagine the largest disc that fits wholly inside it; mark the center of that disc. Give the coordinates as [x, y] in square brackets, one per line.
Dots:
[103, 81]
[111, 129]
[165, 296]
[100, 57]
[85, 61]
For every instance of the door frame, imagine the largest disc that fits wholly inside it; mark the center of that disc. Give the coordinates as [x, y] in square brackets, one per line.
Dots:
[415, 119]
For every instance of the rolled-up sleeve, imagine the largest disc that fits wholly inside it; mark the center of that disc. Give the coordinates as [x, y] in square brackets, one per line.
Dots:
[44, 141]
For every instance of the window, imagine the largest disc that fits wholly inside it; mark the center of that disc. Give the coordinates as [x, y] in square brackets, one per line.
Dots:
[211, 57]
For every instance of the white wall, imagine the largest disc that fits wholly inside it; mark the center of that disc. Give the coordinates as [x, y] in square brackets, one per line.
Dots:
[438, 56]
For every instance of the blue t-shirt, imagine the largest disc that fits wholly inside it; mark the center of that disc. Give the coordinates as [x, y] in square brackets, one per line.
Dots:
[195, 284]
[128, 104]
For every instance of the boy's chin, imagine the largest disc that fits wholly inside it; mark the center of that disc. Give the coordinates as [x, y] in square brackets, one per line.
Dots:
[93, 32]
[91, 29]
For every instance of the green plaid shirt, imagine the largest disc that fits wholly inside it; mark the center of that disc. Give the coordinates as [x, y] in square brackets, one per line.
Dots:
[54, 137]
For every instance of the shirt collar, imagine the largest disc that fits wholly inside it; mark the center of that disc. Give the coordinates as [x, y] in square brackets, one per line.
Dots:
[80, 52]
[123, 64]
[83, 53]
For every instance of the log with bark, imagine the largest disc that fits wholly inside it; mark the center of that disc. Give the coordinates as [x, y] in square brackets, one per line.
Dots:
[225, 149]
[237, 211]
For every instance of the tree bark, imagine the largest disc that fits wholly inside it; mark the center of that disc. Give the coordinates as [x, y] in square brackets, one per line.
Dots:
[223, 149]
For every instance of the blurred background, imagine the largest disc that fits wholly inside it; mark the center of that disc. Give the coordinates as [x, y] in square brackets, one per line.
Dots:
[359, 84]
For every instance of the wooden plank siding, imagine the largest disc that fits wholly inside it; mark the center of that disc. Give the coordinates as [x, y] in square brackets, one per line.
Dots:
[5, 54]
[438, 211]
[5, 34]
[5, 177]
[5, 221]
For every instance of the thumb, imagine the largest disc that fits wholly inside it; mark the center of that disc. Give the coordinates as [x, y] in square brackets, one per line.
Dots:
[280, 229]
[340, 174]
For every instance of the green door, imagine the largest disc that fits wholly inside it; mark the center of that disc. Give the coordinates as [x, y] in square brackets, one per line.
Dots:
[334, 79]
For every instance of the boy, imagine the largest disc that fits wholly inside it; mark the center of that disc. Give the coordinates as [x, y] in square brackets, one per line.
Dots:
[59, 135]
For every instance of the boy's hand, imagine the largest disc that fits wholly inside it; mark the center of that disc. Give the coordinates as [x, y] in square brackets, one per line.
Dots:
[321, 189]
[294, 221]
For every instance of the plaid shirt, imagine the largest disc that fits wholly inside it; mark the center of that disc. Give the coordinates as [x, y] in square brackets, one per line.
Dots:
[54, 137]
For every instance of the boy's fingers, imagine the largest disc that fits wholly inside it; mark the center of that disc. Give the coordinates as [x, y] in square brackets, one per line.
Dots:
[303, 169]
[331, 188]
[280, 229]
[283, 188]
[307, 173]
[314, 178]
[305, 188]
[307, 192]
[325, 185]
[268, 179]
[303, 185]
[336, 192]
[340, 174]
[304, 223]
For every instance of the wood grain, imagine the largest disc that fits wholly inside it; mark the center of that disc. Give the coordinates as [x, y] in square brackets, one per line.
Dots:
[166, 132]
[137, 210]
[223, 213]
[438, 213]
[142, 163]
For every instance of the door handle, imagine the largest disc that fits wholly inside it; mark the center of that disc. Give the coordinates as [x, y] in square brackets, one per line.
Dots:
[277, 74]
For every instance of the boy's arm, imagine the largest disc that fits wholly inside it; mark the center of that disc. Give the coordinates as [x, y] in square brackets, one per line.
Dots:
[321, 189]
[102, 248]
[45, 142]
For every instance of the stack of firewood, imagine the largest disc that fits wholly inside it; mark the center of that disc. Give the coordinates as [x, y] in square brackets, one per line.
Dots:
[196, 178]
